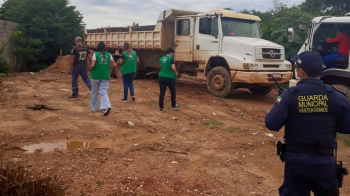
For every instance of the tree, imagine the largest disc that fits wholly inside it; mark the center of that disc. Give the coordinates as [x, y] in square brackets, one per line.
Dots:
[326, 7]
[46, 26]
[282, 20]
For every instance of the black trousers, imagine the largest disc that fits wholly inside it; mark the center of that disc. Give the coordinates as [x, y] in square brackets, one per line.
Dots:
[300, 180]
[163, 83]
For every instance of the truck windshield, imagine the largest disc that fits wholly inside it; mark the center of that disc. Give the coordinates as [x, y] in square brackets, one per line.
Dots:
[240, 27]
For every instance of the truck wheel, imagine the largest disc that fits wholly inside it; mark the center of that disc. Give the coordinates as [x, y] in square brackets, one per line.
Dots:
[179, 70]
[344, 88]
[219, 82]
[261, 90]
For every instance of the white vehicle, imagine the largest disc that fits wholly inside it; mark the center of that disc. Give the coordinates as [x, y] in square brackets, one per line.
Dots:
[339, 76]
[222, 46]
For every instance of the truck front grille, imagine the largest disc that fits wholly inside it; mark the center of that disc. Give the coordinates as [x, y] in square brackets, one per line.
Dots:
[269, 53]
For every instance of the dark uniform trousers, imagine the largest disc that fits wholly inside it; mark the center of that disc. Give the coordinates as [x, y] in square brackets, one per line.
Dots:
[300, 179]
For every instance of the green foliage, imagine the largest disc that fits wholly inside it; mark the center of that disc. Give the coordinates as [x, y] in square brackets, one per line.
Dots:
[99, 182]
[47, 26]
[212, 125]
[283, 21]
[5, 67]
[326, 7]
[231, 129]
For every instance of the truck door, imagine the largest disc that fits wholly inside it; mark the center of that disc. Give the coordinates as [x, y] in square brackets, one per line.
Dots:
[184, 39]
[207, 41]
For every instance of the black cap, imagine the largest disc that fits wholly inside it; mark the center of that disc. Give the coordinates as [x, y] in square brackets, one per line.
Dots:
[169, 50]
[341, 29]
[309, 61]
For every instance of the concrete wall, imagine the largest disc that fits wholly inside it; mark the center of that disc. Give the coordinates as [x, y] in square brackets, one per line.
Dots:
[6, 28]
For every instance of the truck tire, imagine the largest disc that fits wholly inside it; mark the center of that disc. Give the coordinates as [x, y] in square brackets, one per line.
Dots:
[179, 69]
[344, 88]
[261, 90]
[219, 82]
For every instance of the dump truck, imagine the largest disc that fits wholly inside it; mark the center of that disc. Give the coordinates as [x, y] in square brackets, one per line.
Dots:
[339, 73]
[223, 47]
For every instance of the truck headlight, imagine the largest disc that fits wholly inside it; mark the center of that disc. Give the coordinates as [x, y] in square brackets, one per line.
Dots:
[288, 66]
[252, 66]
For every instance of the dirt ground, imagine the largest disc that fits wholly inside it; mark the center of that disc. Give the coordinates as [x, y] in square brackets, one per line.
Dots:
[210, 146]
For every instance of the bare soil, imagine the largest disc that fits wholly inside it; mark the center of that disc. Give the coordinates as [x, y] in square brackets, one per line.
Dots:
[210, 146]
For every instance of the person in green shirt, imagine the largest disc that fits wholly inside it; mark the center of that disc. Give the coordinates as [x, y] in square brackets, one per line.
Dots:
[167, 78]
[128, 62]
[101, 62]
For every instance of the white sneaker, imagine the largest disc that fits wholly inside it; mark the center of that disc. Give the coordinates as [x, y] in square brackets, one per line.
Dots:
[106, 112]
[176, 107]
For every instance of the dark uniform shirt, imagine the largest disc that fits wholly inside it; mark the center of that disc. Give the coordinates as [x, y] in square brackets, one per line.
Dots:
[278, 116]
[81, 54]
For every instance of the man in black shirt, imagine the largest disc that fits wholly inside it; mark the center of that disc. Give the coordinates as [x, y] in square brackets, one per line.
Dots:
[78, 66]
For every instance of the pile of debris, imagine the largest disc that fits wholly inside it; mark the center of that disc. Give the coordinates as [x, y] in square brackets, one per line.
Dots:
[61, 64]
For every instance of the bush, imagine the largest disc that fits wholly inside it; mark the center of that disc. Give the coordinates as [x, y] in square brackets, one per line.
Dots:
[5, 67]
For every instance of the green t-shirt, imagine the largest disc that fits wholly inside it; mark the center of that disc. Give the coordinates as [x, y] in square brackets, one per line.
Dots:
[166, 70]
[129, 64]
[101, 69]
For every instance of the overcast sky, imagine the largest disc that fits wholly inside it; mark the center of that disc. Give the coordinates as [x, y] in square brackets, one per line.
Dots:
[101, 13]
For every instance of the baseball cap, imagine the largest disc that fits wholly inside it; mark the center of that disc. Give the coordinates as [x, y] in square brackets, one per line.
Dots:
[309, 61]
[341, 29]
[78, 39]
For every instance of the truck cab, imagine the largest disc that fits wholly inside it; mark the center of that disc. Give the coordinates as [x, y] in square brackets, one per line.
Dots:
[338, 73]
[226, 49]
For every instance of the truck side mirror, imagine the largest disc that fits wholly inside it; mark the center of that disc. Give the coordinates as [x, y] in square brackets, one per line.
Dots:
[291, 34]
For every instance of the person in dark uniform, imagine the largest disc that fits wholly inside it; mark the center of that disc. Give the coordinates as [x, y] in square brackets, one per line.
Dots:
[78, 66]
[312, 113]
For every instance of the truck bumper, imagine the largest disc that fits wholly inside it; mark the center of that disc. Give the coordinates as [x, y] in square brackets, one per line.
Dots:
[259, 77]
